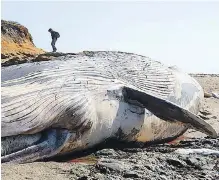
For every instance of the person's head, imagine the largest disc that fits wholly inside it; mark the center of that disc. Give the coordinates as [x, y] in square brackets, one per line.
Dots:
[50, 29]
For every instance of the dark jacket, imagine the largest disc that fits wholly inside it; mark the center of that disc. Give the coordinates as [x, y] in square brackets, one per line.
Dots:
[54, 34]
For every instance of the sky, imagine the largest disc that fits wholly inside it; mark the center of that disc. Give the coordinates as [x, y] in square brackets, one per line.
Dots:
[185, 34]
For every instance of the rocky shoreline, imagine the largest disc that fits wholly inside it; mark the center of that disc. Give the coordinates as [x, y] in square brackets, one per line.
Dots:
[154, 162]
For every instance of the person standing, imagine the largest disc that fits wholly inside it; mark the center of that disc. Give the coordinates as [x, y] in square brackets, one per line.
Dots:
[55, 35]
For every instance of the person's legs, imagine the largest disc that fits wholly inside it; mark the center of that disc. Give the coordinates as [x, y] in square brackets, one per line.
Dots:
[53, 44]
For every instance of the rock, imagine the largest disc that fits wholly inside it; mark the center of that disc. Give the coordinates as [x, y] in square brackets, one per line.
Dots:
[130, 174]
[106, 152]
[108, 165]
[215, 95]
[207, 95]
[205, 113]
[175, 162]
[99, 176]
[192, 161]
[163, 177]
[83, 178]
[76, 171]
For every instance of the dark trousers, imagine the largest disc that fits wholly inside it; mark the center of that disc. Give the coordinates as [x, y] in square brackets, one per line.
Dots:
[53, 44]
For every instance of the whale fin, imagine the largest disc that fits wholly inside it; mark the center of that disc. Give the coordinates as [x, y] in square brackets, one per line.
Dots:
[50, 145]
[167, 110]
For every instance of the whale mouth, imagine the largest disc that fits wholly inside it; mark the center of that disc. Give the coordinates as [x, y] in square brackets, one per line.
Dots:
[34, 146]
[167, 110]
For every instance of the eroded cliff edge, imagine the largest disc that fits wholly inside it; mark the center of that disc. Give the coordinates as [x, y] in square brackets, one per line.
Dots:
[16, 43]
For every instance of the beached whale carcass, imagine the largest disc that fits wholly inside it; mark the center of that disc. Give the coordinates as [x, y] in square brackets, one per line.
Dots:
[77, 101]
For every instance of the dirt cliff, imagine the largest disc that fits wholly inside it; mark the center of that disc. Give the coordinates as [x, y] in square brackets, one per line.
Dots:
[16, 43]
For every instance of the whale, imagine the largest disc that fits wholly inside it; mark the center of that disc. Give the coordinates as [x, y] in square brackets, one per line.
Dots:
[74, 102]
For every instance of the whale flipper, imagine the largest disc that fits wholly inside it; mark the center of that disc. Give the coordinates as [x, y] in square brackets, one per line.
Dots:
[48, 146]
[167, 110]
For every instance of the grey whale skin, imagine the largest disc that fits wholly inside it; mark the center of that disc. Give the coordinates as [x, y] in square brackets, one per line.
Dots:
[75, 102]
